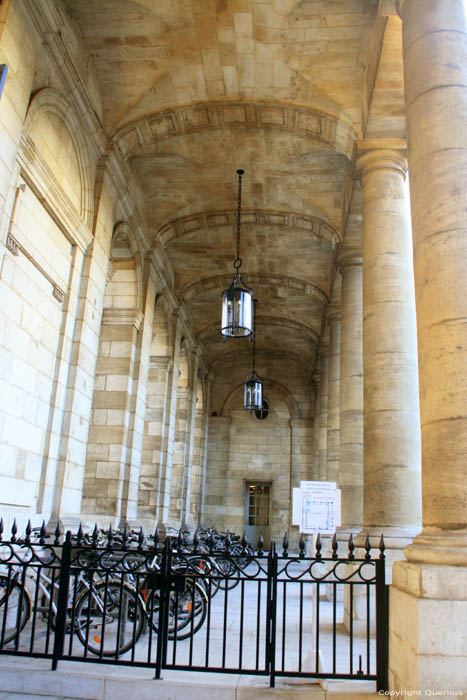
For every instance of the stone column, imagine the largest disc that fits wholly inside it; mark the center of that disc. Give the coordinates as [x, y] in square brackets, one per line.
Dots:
[168, 438]
[138, 399]
[323, 411]
[351, 390]
[188, 472]
[151, 477]
[428, 606]
[301, 442]
[391, 435]
[193, 509]
[107, 460]
[218, 450]
[332, 450]
[315, 446]
[204, 448]
[181, 433]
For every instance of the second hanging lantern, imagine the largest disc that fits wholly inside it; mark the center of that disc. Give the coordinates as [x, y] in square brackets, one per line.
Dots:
[253, 397]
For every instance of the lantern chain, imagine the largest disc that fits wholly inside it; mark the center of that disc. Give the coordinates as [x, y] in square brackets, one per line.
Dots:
[238, 260]
[254, 334]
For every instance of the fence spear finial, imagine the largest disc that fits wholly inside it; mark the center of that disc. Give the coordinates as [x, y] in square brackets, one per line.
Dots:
[335, 546]
[382, 547]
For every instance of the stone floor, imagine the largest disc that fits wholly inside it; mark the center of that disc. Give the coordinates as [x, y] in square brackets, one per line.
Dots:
[32, 678]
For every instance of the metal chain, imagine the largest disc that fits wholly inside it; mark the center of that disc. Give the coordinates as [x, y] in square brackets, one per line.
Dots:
[238, 260]
[254, 334]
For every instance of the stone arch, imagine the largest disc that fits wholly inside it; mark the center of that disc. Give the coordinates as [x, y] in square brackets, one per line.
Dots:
[332, 132]
[57, 133]
[257, 451]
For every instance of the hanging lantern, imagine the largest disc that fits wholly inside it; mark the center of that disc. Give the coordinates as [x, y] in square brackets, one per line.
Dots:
[253, 396]
[237, 300]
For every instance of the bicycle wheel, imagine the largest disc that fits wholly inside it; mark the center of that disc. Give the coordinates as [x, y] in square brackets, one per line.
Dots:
[15, 609]
[109, 619]
[187, 611]
[229, 570]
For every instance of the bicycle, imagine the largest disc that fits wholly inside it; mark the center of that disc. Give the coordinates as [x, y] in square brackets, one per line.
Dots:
[108, 599]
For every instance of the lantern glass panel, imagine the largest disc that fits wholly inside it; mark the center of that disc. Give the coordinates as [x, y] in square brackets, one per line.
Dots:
[237, 312]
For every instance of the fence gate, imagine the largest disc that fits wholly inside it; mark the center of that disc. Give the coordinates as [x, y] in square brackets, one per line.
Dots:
[108, 599]
[278, 615]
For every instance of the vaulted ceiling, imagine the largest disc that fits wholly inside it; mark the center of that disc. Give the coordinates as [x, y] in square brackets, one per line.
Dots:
[191, 90]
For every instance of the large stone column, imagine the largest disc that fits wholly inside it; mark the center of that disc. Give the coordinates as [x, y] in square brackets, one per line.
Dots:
[323, 411]
[315, 447]
[391, 434]
[351, 390]
[428, 606]
[332, 451]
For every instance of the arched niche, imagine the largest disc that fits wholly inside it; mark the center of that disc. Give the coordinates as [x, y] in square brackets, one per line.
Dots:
[58, 137]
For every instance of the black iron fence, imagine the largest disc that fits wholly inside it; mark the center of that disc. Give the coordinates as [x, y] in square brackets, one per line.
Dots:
[136, 601]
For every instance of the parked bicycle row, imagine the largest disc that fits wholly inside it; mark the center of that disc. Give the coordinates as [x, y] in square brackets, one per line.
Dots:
[113, 592]
[193, 601]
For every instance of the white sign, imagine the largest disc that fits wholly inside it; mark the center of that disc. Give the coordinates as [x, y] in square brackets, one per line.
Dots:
[320, 507]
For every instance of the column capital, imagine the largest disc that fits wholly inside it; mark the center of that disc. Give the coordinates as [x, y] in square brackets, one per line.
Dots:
[333, 312]
[381, 159]
[323, 351]
[348, 256]
[316, 376]
[160, 362]
[122, 317]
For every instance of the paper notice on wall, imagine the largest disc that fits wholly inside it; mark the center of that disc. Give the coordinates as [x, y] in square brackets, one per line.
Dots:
[319, 502]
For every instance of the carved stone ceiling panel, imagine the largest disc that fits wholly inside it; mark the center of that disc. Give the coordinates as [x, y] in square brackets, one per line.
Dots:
[149, 55]
[192, 90]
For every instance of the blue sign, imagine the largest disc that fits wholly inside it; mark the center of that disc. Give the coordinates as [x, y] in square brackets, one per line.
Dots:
[3, 72]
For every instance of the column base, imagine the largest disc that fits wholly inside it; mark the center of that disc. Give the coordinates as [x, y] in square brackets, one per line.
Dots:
[439, 547]
[427, 632]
